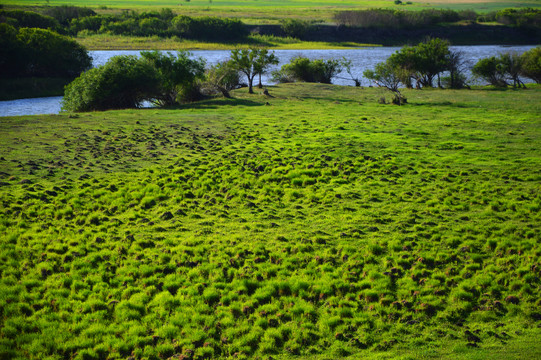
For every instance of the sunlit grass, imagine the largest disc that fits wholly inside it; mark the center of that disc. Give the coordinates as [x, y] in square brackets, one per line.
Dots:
[316, 223]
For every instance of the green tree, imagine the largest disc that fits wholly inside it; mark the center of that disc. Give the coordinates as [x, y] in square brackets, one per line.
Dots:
[12, 57]
[295, 28]
[500, 70]
[176, 73]
[123, 82]
[491, 70]
[424, 62]
[222, 77]
[29, 19]
[252, 62]
[50, 54]
[531, 64]
[512, 65]
[456, 66]
[389, 76]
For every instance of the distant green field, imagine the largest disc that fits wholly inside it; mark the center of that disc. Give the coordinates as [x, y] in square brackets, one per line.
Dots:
[315, 223]
[269, 10]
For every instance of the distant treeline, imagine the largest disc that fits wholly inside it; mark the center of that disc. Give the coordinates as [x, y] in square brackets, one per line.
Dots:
[71, 20]
[382, 26]
[400, 19]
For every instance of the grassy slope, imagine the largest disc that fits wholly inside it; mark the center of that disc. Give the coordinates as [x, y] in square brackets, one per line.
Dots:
[313, 222]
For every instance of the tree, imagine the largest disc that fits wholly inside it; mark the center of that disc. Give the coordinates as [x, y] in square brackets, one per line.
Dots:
[424, 61]
[456, 65]
[40, 53]
[491, 70]
[295, 28]
[252, 62]
[501, 70]
[389, 76]
[123, 82]
[512, 65]
[531, 64]
[221, 77]
[176, 73]
[347, 65]
[51, 54]
[12, 58]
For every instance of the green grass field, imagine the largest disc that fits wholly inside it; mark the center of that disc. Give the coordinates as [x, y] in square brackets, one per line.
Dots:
[271, 11]
[313, 224]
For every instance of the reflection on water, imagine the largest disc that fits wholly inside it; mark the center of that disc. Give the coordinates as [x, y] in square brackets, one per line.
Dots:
[361, 59]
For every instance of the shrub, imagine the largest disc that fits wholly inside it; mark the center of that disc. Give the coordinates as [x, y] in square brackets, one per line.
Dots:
[64, 14]
[531, 64]
[39, 52]
[123, 82]
[51, 54]
[304, 69]
[176, 74]
[208, 28]
[29, 19]
[222, 77]
[295, 28]
[499, 71]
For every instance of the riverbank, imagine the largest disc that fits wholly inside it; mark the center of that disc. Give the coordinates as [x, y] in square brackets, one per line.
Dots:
[120, 42]
[324, 36]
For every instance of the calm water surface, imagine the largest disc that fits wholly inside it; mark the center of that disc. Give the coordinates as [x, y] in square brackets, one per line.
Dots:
[362, 59]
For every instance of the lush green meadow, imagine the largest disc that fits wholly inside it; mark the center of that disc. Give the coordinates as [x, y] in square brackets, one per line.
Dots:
[265, 11]
[316, 223]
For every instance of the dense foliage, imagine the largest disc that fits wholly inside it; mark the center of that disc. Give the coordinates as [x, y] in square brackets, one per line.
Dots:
[37, 52]
[304, 69]
[398, 19]
[500, 70]
[420, 65]
[531, 64]
[128, 81]
[522, 17]
[176, 74]
[295, 28]
[402, 19]
[423, 62]
[161, 23]
[252, 62]
[28, 19]
[123, 82]
[313, 226]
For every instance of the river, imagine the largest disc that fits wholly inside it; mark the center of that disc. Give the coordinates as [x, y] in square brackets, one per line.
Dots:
[361, 58]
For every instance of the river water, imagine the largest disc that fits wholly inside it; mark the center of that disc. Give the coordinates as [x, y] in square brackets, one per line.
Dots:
[361, 59]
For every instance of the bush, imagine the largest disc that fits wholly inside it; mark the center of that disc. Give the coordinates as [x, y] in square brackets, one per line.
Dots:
[531, 64]
[208, 28]
[64, 14]
[501, 70]
[295, 28]
[304, 69]
[29, 19]
[424, 61]
[40, 53]
[177, 74]
[398, 19]
[222, 78]
[123, 82]
[50, 54]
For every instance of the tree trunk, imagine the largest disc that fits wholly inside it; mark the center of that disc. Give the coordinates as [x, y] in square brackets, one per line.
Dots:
[260, 84]
[251, 84]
